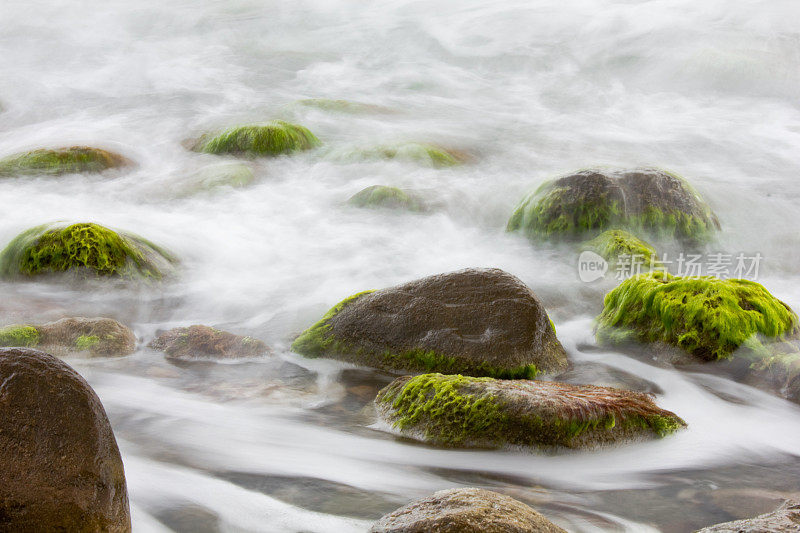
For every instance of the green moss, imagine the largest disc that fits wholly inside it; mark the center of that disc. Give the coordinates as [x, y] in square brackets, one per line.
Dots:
[86, 342]
[340, 106]
[16, 336]
[43, 250]
[420, 153]
[615, 243]
[270, 139]
[61, 161]
[451, 418]
[317, 339]
[389, 197]
[708, 317]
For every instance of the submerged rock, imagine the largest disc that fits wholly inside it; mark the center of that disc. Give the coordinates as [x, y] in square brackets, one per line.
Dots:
[707, 317]
[643, 200]
[342, 106]
[388, 197]
[234, 175]
[465, 511]
[462, 411]
[617, 245]
[62, 469]
[259, 140]
[785, 519]
[207, 342]
[99, 337]
[482, 322]
[421, 153]
[56, 161]
[86, 249]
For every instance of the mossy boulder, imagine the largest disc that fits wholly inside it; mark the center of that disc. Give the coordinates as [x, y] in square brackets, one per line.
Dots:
[617, 245]
[234, 175]
[461, 411]
[86, 249]
[467, 510]
[708, 317]
[381, 196]
[784, 519]
[62, 470]
[259, 140]
[421, 153]
[648, 201]
[56, 161]
[97, 337]
[207, 343]
[482, 322]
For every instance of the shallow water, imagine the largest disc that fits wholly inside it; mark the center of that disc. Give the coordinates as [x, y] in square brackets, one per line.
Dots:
[706, 89]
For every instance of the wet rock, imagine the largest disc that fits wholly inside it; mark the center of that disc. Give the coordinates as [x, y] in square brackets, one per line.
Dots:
[98, 337]
[421, 153]
[258, 140]
[642, 200]
[618, 246]
[482, 322]
[460, 411]
[235, 175]
[381, 196]
[206, 342]
[85, 250]
[53, 162]
[62, 469]
[343, 106]
[465, 511]
[784, 519]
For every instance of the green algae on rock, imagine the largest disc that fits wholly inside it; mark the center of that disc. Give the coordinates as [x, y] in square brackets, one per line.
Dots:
[707, 317]
[468, 510]
[206, 342]
[388, 197]
[259, 140]
[85, 248]
[56, 161]
[420, 153]
[342, 106]
[99, 337]
[460, 411]
[649, 201]
[482, 322]
[615, 245]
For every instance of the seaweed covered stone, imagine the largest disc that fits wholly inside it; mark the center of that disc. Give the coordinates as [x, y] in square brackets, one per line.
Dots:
[381, 196]
[57, 161]
[481, 322]
[649, 201]
[259, 140]
[86, 249]
[468, 510]
[208, 343]
[469, 412]
[616, 246]
[62, 469]
[708, 317]
[97, 337]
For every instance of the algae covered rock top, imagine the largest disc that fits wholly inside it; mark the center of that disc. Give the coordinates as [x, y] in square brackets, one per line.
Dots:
[206, 342]
[784, 519]
[616, 245]
[258, 140]
[62, 470]
[460, 411]
[482, 322]
[85, 249]
[98, 337]
[56, 161]
[709, 318]
[388, 197]
[647, 200]
[468, 510]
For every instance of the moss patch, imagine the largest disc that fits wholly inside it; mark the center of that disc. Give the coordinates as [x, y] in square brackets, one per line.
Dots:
[44, 250]
[387, 197]
[270, 139]
[317, 339]
[86, 342]
[455, 410]
[19, 336]
[613, 244]
[708, 317]
[61, 161]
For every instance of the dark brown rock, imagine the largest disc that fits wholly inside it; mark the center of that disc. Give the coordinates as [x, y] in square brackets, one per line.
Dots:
[784, 519]
[207, 342]
[481, 322]
[61, 468]
[465, 511]
[100, 337]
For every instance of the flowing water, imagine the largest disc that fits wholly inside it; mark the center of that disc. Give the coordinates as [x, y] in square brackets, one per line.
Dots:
[529, 89]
